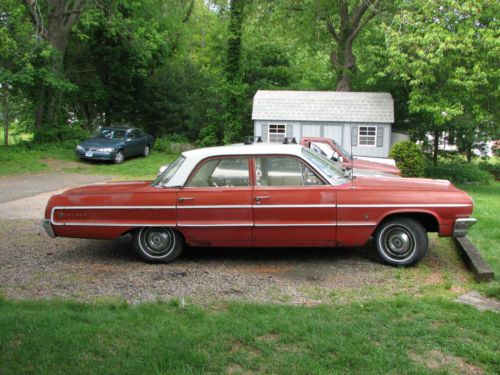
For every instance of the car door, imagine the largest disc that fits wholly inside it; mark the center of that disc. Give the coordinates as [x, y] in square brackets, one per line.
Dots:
[215, 206]
[292, 205]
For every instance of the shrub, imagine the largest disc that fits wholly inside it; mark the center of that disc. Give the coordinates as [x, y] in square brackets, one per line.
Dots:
[409, 158]
[172, 143]
[458, 172]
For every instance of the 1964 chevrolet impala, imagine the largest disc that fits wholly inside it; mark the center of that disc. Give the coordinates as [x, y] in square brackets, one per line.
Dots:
[263, 195]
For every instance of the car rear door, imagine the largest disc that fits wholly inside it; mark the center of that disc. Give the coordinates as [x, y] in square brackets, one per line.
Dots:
[292, 205]
[215, 206]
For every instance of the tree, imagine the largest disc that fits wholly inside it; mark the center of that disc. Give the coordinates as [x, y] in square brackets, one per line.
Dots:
[447, 53]
[54, 25]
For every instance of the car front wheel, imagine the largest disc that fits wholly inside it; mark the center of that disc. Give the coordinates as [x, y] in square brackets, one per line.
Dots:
[158, 244]
[401, 241]
[119, 157]
[146, 151]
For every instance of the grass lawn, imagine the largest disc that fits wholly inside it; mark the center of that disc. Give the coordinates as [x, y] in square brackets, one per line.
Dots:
[422, 335]
[54, 157]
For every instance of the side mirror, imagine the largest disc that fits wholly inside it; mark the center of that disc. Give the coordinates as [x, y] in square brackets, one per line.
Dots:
[128, 139]
[162, 169]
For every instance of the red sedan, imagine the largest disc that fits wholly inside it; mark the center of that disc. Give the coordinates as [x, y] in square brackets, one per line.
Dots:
[263, 195]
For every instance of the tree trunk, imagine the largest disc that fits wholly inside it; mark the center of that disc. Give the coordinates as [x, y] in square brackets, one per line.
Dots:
[5, 114]
[351, 23]
[436, 146]
[61, 16]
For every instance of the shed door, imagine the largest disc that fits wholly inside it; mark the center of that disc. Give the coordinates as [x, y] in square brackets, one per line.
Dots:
[333, 132]
[311, 130]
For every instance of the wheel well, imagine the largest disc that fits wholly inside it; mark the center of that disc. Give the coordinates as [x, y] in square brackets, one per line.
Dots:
[429, 222]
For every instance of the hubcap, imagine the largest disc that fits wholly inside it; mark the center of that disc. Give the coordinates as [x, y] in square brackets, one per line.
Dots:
[398, 242]
[118, 157]
[146, 151]
[157, 241]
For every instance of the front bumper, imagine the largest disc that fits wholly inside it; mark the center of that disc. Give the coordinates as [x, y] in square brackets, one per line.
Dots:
[95, 155]
[462, 226]
[48, 228]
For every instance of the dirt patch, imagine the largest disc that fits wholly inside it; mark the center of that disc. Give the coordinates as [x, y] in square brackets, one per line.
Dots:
[437, 360]
[480, 302]
[57, 165]
[268, 337]
[235, 368]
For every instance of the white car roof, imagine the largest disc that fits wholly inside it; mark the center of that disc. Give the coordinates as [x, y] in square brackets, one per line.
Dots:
[193, 157]
[242, 149]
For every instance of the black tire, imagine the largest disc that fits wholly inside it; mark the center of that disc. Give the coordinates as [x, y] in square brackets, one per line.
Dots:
[401, 241]
[158, 244]
[146, 151]
[119, 157]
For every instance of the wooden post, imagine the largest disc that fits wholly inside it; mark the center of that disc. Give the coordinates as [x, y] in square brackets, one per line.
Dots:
[5, 114]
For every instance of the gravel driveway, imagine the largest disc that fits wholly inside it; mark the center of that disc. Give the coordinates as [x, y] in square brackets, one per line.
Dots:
[32, 265]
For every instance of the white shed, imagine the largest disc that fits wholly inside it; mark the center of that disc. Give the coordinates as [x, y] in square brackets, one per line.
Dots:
[360, 121]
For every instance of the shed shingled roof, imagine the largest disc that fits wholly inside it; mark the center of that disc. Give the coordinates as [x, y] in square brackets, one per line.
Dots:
[331, 106]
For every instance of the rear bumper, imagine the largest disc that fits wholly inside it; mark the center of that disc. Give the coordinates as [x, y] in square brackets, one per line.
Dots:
[48, 228]
[462, 226]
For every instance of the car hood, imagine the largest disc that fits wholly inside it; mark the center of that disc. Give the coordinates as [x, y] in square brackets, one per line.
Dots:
[402, 183]
[365, 164]
[373, 173]
[101, 142]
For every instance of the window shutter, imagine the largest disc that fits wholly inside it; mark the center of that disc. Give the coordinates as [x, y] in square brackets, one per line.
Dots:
[264, 133]
[354, 135]
[289, 131]
[380, 136]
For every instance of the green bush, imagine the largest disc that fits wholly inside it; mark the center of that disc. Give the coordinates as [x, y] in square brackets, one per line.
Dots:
[165, 143]
[409, 158]
[491, 166]
[458, 172]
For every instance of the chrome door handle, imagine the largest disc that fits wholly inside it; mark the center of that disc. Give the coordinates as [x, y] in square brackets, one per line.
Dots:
[182, 199]
[260, 197]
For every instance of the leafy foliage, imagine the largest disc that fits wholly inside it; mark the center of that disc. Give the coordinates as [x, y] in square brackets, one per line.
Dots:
[458, 172]
[409, 158]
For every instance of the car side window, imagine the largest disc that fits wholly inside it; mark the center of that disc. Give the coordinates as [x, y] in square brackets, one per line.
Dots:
[284, 171]
[221, 173]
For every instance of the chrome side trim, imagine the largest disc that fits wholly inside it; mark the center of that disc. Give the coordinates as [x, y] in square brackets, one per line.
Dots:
[48, 228]
[75, 224]
[217, 206]
[214, 225]
[462, 226]
[354, 224]
[402, 205]
[297, 225]
[295, 206]
[102, 208]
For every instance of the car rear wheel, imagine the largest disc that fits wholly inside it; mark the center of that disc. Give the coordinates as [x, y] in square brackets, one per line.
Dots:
[119, 157]
[401, 241]
[146, 151]
[158, 244]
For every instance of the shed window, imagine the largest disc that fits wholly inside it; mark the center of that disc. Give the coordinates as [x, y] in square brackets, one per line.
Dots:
[276, 132]
[367, 135]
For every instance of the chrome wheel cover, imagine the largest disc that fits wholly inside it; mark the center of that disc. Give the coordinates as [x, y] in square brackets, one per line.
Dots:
[397, 242]
[146, 151]
[119, 157]
[157, 242]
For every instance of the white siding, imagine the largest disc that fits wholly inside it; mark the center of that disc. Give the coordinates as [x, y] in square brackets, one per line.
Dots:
[333, 132]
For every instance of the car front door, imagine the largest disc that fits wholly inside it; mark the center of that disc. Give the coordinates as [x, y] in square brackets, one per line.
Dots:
[215, 206]
[292, 205]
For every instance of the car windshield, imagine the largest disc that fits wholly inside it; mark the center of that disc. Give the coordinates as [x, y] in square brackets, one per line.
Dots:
[110, 134]
[330, 170]
[163, 179]
[342, 150]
